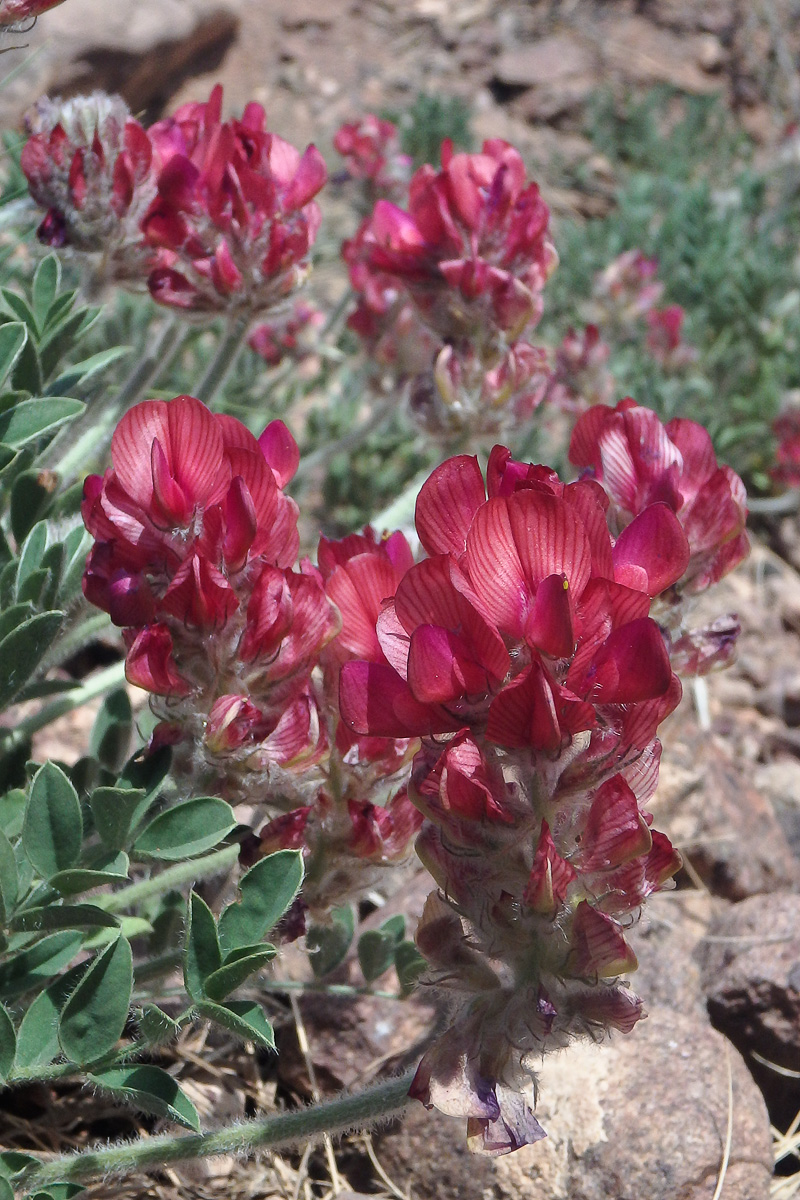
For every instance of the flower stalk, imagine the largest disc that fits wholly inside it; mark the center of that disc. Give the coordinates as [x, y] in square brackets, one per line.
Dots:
[267, 1133]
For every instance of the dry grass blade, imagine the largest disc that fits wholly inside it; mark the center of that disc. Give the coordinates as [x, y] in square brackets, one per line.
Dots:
[723, 1169]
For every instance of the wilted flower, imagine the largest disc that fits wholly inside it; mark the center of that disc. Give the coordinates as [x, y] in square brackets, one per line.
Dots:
[88, 162]
[234, 218]
[628, 288]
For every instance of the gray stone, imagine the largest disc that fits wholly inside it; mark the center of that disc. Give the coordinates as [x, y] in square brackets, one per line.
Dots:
[750, 966]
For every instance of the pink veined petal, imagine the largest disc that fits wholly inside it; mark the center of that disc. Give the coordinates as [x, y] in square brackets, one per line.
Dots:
[550, 876]
[310, 176]
[169, 504]
[654, 543]
[358, 591]
[280, 450]
[440, 667]
[447, 503]
[241, 524]
[549, 626]
[615, 830]
[600, 946]
[373, 699]
[631, 665]
[494, 568]
[697, 451]
[131, 448]
[615, 1007]
[196, 450]
[524, 713]
[584, 447]
[550, 539]
[393, 639]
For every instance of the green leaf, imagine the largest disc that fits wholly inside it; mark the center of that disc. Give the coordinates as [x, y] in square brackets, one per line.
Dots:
[62, 916]
[45, 287]
[266, 891]
[8, 1044]
[53, 828]
[244, 1018]
[32, 552]
[58, 1191]
[76, 547]
[111, 732]
[81, 371]
[13, 336]
[146, 770]
[129, 928]
[31, 419]
[30, 968]
[409, 964]
[14, 616]
[375, 953]
[232, 975]
[116, 811]
[14, 1162]
[155, 1026]
[12, 812]
[22, 650]
[151, 1090]
[327, 945]
[9, 879]
[202, 955]
[83, 879]
[6, 1190]
[95, 1014]
[37, 1038]
[395, 927]
[186, 829]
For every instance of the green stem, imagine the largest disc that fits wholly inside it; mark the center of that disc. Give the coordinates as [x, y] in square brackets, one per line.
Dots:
[76, 637]
[348, 441]
[221, 364]
[95, 686]
[70, 451]
[273, 1133]
[173, 877]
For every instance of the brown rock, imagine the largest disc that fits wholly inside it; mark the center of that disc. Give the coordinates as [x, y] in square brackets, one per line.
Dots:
[642, 53]
[751, 974]
[641, 1118]
[547, 61]
[724, 827]
[645, 1116]
[665, 941]
[714, 16]
[143, 51]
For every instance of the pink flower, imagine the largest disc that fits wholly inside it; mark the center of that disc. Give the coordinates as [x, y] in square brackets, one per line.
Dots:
[639, 461]
[89, 164]
[290, 337]
[371, 150]
[234, 218]
[472, 250]
[194, 542]
[17, 12]
[664, 337]
[581, 377]
[787, 457]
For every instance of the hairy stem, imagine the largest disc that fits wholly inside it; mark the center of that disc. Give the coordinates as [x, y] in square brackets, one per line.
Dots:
[97, 685]
[273, 1133]
[184, 872]
[69, 452]
[221, 364]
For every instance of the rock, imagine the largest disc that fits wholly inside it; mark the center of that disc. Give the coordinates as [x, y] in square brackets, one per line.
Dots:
[143, 51]
[779, 782]
[713, 16]
[665, 941]
[642, 53]
[708, 805]
[557, 74]
[645, 1116]
[549, 60]
[751, 975]
[641, 1118]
